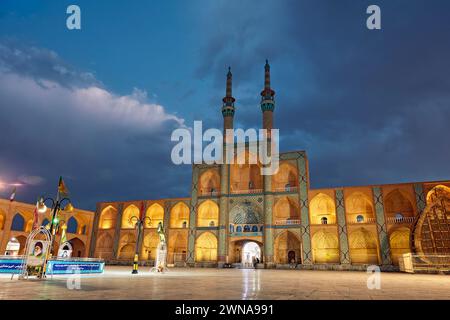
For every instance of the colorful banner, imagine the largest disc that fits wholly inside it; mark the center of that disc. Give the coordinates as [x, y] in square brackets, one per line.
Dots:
[55, 266]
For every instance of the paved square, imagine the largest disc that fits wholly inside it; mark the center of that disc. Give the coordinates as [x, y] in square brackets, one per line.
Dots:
[178, 283]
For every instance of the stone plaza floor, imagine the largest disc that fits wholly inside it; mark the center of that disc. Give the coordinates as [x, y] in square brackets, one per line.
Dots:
[217, 284]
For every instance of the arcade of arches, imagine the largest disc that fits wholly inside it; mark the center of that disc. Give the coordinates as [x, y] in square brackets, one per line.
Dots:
[17, 219]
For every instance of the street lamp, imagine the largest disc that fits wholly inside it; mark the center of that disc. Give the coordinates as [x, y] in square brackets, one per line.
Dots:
[140, 221]
[56, 208]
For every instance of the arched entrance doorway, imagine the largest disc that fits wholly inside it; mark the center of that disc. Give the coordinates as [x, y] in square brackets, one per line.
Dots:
[77, 248]
[250, 252]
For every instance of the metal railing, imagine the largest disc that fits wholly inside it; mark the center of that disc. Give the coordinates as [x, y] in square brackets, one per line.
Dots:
[247, 191]
[330, 220]
[286, 189]
[400, 220]
[366, 220]
[287, 222]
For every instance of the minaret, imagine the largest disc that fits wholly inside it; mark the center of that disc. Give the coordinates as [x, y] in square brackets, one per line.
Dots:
[267, 106]
[228, 104]
[228, 114]
[267, 100]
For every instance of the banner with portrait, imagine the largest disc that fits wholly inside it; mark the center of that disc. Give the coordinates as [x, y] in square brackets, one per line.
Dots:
[37, 252]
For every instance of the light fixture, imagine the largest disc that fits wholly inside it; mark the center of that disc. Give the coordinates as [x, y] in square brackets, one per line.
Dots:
[69, 207]
[42, 208]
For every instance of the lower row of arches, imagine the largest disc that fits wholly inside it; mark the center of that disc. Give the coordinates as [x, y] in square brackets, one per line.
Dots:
[363, 247]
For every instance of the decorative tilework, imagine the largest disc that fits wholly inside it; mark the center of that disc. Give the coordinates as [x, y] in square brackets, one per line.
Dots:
[342, 228]
[381, 226]
[223, 212]
[304, 210]
[140, 240]
[190, 258]
[117, 230]
[98, 212]
[420, 197]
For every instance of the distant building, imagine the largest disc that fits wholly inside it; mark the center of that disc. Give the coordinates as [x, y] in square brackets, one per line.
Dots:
[16, 222]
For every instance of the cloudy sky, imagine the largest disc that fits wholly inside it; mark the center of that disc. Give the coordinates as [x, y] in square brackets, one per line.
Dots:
[98, 105]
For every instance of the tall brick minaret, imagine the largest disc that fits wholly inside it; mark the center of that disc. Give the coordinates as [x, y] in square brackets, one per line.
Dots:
[267, 100]
[228, 115]
[228, 104]
[267, 107]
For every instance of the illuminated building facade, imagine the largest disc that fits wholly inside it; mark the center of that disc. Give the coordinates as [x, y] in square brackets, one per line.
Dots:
[16, 222]
[235, 214]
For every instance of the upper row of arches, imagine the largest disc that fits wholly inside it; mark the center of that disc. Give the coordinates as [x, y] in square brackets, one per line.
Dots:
[358, 206]
[207, 215]
[23, 223]
[245, 177]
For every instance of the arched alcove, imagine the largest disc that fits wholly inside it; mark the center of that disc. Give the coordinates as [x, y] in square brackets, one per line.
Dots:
[286, 178]
[206, 248]
[245, 177]
[156, 214]
[128, 213]
[208, 214]
[325, 247]
[363, 247]
[127, 246]
[72, 225]
[104, 246]
[18, 223]
[396, 204]
[322, 209]
[358, 205]
[78, 247]
[177, 249]
[399, 243]
[209, 182]
[150, 246]
[286, 208]
[108, 218]
[286, 248]
[179, 216]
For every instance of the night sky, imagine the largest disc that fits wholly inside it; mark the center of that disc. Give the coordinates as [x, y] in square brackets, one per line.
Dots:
[98, 105]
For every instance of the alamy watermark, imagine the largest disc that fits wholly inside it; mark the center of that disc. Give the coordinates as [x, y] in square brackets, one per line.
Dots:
[261, 147]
